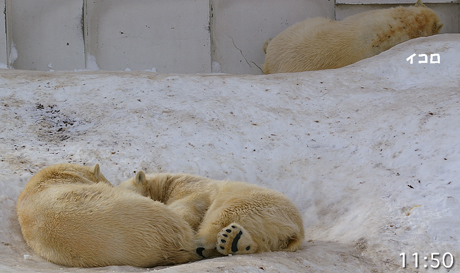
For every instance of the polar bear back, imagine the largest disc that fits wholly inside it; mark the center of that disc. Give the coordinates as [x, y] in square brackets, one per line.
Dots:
[87, 224]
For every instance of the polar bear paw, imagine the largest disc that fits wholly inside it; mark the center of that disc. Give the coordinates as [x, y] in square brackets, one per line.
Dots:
[234, 239]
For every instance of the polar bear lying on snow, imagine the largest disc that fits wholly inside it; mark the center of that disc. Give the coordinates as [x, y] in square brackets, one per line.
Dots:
[228, 217]
[71, 215]
[320, 43]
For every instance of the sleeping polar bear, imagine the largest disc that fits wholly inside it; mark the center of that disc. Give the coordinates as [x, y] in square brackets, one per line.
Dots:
[71, 215]
[228, 217]
[320, 43]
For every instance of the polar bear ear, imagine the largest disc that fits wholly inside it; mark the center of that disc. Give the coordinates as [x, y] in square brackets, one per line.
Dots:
[96, 170]
[140, 178]
[419, 3]
[266, 45]
[437, 27]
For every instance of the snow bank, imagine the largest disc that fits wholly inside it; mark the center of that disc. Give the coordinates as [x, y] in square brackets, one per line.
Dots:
[370, 153]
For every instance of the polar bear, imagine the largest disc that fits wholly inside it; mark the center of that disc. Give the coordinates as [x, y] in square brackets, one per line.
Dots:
[71, 215]
[228, 217]
[320, 43]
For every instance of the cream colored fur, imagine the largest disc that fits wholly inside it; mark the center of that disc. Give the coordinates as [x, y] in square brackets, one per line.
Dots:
[71, 215]
[230, 217]
[320, 43]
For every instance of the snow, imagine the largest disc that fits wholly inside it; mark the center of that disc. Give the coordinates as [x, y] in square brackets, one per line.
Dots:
[13, 54]
[91, 63]
[369, 153]
[215, 67]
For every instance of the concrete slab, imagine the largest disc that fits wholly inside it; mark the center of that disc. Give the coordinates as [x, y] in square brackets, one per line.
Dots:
[170, 36]
[46, 34]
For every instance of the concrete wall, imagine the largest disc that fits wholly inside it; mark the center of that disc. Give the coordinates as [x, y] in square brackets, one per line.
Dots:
[180, 36]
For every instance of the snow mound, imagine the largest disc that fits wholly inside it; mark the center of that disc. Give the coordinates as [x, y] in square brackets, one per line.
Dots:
[370, 153]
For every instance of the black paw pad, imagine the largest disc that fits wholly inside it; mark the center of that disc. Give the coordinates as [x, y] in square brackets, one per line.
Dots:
[235, 242]
[228, 230]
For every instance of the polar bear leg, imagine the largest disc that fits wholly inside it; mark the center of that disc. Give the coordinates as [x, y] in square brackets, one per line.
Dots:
[234, 239]
[191, 208]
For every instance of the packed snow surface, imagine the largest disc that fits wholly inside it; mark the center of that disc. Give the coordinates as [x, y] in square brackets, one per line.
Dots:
[369, 153]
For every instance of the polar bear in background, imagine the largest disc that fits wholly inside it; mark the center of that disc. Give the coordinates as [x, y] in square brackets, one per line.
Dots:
[228, 217]
[320, 43]
[71, 215]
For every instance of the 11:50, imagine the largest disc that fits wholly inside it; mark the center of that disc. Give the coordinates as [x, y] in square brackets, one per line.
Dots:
[446, 260]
